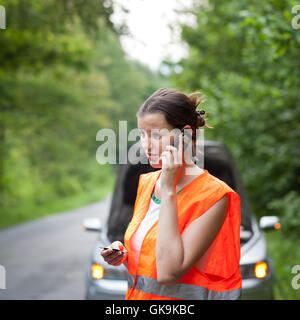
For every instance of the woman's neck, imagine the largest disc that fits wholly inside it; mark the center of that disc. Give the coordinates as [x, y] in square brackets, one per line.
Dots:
[188, 173]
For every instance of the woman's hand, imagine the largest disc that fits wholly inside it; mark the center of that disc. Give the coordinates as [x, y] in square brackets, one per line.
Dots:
[115, 258]
[172, 164]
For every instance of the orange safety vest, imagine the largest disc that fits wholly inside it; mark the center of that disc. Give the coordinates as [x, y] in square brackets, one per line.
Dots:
[220, 276]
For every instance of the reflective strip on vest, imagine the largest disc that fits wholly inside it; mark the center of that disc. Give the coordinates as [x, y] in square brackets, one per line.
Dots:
[180, 290]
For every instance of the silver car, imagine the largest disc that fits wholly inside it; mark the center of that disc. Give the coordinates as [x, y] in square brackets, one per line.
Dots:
[106, 282]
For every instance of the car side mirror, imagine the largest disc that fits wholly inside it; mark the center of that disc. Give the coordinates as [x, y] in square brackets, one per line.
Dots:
[269, 223]
[92, 224]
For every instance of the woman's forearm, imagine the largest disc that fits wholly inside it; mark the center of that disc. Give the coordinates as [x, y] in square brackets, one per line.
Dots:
[169, 245]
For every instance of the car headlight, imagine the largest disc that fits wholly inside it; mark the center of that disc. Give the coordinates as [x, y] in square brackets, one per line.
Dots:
[97, 271]
[258, 270]
[261, 269]
[114, 273]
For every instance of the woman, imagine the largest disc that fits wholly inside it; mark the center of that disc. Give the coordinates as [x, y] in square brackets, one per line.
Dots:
[183, 240]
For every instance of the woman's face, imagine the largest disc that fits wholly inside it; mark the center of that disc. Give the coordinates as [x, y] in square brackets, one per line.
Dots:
[155, 134]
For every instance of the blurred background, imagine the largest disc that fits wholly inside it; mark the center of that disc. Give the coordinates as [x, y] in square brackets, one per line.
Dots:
[69, 68]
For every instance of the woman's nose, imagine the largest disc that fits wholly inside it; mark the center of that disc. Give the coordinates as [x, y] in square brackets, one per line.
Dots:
[148, 145]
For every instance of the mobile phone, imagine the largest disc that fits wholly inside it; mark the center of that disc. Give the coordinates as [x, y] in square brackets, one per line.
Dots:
[106, 248]
[176, 140]
[185, 143]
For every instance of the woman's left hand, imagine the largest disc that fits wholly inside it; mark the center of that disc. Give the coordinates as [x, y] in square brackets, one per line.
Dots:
[172, 164]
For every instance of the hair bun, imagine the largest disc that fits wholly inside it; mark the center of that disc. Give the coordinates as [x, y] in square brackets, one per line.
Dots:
[195, 100]
[200, 112]
[201, 120]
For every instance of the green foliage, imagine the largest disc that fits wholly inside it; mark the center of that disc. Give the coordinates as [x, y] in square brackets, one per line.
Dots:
[289, 207]
[245, 58]
[40, 34]
[284, 250]
[50, 132]
[59, 85]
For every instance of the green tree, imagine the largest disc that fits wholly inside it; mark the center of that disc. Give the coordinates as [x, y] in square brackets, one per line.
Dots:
[59, 85]
[245, 58]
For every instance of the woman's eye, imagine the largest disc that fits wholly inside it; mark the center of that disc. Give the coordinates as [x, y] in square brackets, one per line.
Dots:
[155, 136]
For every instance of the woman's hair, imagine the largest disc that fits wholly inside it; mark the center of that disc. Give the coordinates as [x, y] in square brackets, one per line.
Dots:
[179, 109]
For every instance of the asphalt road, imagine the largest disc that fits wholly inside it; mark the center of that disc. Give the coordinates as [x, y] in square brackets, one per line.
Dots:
[46, 259]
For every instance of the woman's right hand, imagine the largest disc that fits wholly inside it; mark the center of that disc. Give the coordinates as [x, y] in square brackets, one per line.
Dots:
[112, 257]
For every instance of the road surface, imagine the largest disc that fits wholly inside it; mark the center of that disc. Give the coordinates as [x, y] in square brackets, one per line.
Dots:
[46, 258]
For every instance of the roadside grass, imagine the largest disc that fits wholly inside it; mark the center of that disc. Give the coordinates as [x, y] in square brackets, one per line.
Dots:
[31, 211]
[283, 248]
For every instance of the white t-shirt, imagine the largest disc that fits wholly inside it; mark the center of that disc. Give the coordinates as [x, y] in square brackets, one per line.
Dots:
[150, 218]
